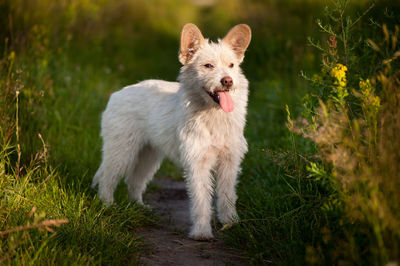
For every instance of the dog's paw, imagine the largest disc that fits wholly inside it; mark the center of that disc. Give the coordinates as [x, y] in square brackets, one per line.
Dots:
[107, 201]
[140, 203]
[201, 235]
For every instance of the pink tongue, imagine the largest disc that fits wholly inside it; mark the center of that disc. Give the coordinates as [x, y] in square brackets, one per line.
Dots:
[225, 100]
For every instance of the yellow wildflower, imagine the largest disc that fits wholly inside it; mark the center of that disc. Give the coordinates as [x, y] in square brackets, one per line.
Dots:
[375, 102]
[11, 56]
[339, 74]
[370, 100]
[365, 87]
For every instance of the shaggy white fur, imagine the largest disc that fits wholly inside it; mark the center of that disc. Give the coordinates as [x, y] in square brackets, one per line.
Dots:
[198, 123]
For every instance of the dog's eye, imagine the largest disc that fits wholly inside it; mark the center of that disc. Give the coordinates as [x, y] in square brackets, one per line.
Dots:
[209, 66]
[231, 65]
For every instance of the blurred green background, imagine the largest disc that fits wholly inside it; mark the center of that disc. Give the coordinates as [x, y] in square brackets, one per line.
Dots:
[66, 57]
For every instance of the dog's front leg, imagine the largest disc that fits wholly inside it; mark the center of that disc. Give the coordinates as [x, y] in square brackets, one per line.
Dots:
[226, 194]
[200, 186]
[227, 170]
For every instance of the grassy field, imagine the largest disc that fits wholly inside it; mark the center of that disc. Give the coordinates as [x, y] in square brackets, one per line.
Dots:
[306, 195]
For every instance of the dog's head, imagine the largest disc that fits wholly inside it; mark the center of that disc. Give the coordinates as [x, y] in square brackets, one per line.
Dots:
[213, 69]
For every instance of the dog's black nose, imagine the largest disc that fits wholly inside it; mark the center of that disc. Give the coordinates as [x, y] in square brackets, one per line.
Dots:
[227, 81]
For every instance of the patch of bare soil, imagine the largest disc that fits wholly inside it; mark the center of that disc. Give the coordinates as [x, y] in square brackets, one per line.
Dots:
[169, 241]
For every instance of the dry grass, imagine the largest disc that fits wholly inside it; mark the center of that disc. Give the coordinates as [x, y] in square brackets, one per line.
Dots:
[42, 225]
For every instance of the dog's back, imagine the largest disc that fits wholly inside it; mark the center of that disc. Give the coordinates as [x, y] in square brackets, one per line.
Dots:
[148, 111]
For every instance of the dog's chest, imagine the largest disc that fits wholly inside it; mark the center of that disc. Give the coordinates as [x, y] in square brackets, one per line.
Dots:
[221, 131]
[218, 138]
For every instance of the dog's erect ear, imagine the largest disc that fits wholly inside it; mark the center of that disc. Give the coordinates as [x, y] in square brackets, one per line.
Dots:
[239, 39]
[191, 40]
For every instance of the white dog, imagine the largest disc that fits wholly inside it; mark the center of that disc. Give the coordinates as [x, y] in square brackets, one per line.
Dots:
[198, 123]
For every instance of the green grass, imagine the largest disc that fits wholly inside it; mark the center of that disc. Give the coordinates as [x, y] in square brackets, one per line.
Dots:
[62, 100]
[93, 233]
[65, 67]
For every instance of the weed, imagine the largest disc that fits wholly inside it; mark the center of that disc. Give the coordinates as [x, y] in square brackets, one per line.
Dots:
[358, 145]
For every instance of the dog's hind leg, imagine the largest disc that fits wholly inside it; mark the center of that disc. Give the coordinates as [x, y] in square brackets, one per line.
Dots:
[137, 177]
[97, 176]
[119, 155]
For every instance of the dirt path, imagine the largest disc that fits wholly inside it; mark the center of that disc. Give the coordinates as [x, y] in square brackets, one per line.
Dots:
[169, 240]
